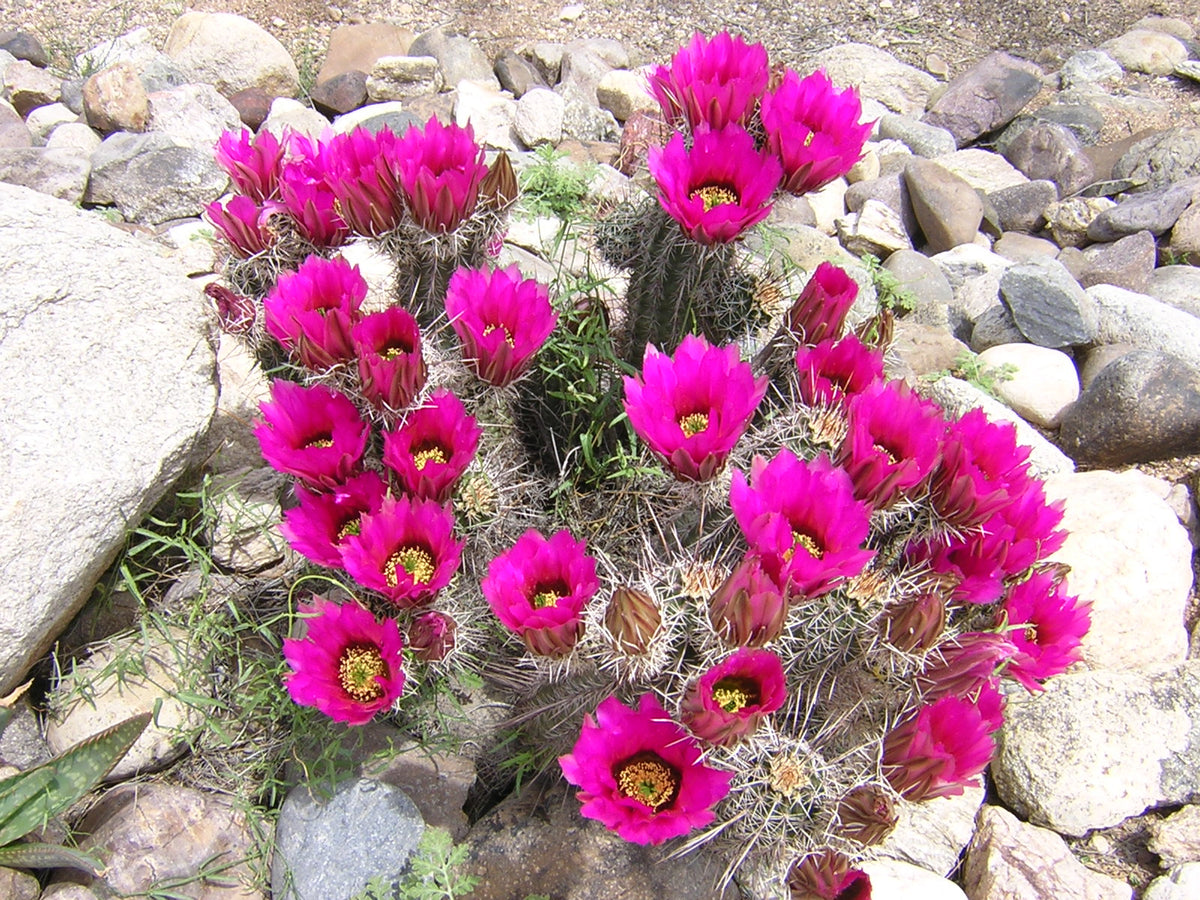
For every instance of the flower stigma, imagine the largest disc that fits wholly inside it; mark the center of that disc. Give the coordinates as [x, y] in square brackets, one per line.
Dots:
[414, 561]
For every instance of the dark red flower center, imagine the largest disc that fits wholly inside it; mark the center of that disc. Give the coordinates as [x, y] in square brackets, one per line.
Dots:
[715, 195]
[415, 562]
[548, 595]
[887, 451]
[352, 525]
[320, 440]
[395, 347]
[649, 779]
[736, 692]
[359, 668]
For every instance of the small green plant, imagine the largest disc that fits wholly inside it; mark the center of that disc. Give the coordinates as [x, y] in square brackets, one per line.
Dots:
[970, 368]
[553, 186]
[431, 874]
[891, 295]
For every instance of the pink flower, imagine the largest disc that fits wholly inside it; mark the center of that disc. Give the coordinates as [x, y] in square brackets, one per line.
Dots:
[391, 366]
[942, 747]
[348, 665]
[501, 319]
[827, 876]
[836, 368]
[982, 468]
[892, 443]
[306, 193]
[719, 187]
[360, 171]
[440, 168]
[538, 590]
[431, 636]
[312, 433]
[814, 129]
[820, 311]
[748, 609]
[732, 698]
[1029, 526]
[971, 561]
[1048, 626]
[712, 82]
[242, 223]
[406, 550]
[312, 311]
[251, 162]
[641, 775]
[804, 521]
[692, 408]
[433, 447]
[963, 665]
[318, 526]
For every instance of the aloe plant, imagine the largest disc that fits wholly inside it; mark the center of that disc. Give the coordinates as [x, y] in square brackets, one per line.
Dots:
[30, 799]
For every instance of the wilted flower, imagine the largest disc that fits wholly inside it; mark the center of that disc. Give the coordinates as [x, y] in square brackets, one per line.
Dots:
[235, 313]
[501, 319]
[391, 365]
[915, 624]
[242, 223]
[711, 82]
[360, 171]
[827, 876]
[434, 446]
[718, 187]
[318, 526]
[731, 699]
[804, 521]
[748, 609]
[405, 550]
[820, 311]
[440, 169]
[963, 665]
[348, 665]
[693, 407]
[312, 311]
[836, 368]
[814, 129]
[632, 618]
[315, 434]
[431, 636]
[867, 815]
[538, 590]
[641, 775]
[251, 162]
[982, 468]
[1047, 627]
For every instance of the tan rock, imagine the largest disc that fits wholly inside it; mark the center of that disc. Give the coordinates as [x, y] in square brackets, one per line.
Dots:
[231, 53]
[114, 99]
[356, 48]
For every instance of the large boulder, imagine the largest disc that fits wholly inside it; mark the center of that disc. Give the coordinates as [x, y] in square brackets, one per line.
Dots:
[109, 384]
[232, 53]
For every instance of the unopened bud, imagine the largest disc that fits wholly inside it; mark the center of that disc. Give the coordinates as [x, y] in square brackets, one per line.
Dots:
[915, 624]
[431, 636]
[632, 618]
[748, 609]
[867, 815]
[962, 666]
[235, 313]
[820, 310]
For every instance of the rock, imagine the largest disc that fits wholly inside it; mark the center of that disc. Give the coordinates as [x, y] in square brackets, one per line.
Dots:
[341, 93]
[623, 93]
[1177, 286]
[1184, 243]
[43, 120]
[547, 58]
[438, 784]
[1043, 384]
[156, 70]
[21, 743]
[74, 136]
[1023, 247]
[231, 53]
[925, 349]
[878, 75]
[28, 87]
[1084, 121]
[1050, 152]
[1097, 747]
[24, 45]
[934, 834]
[402, 77]
[243, 537]
[891, 191]
[1129, 558]
[866, 168]
[1162, 159]
[1154, 211]
[13, 131]
[894, 880]
[243, 387]
[115, 100]
[490, 111]
[539, 117]
[459, 57]
[1089, 67]
[253, 105]
[64, 891]
[291, 115]
[1142, 407]
[105, 346]
[994, 327]
[925, 281]
[1125, 263]
[61, 173]
[1152, 52]
[151, 834]
[581, 70]
[1047, 304]
[1009, 860]
[1123, 317]
[828, 204]
[947, 208]
[985, 97]
[969, 261]
[1181, 883]
[922, 139]
[875, 229]
[356, 48]
[194, 115]
[1097, 359]
[326, 848]
[101, 618]
[1022, 207]
[374, 116]
[125, 677]
[982, 170]
[1179, 28]
[18, 885]
[1176, 839]
[517, 74]
[584, 121]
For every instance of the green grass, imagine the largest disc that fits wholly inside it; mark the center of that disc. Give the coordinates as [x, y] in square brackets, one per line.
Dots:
[553, 185]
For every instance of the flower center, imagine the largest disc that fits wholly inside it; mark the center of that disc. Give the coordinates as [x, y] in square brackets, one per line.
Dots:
[648, 778]
[542, 599]
[324, 439]
[434, 454]
[1031, 633]
[391, 351]
[715, 195]
[358, 670]
[736, 693]
[353, 525]
[508, 338]
[693, 424]
[415, 562]
[809, 543]
[886, 451]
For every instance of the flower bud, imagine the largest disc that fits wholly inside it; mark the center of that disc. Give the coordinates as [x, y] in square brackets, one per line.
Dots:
[867, 814]
[915, 624]
[554, 640]
[632, 618]
[748, 609]
[431, 636]
[827, 876]
[820, 310]
[962, 666]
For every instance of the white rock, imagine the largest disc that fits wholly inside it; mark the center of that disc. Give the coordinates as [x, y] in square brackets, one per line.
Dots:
[194, 115]
[1043, 382]
[1126, 317]
[44, 119]
[195, 246]
[1181, 883]
[347, 122]
[1152, 52]
[73, 135]
[244, 536]
[895, 880]
[876, 228]
[933, 834]
[490, 112]
[623, 93]
[538, 118]
[982, 169]
[878, 75]
[231, 53]
[829, 204]
[1176, 839]
[967, 261]
[229, 444]
[292, 115]
[402, 77]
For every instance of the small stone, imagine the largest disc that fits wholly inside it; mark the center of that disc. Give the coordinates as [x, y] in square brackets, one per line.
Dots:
[438, 784]
[983, 170]
[16, 885]
[547, 57]
[253, 105]
[42, 121]
[28, 87]
[1162, 159]
[623, 93]
[1051, 152]
[1127, 317]
[985, 97]
[933, 834]
[936, 66]
[115, 100]
[356, 48]
[374, 116]
[1176, 839]
[865, 169]
[1042, 383]
[1126, 263]
[1152, 52]
[402, 77]
[459, 58]
[24, 45]
[571, 12]
[1022, 207]
[1177, 286]
[14, 132]
[490, 111]
[947, 208]
[895, 880]
[925, 349]
[194, 115]
[828, 204]
[891, 191]
[1023, 247]
[584, 121]
[1069, 220]
[59, 173]
[1097, 359]
[1082, 120]
[1184, 243]
[1181, 883]
[341, 93]
[291, 115]
[1089, 67]
[539, 117]
[1048, 305]
[994, 327]
[922, 278]
[875, 229]
[582, 68]
[517, 75]
[921, 138]
[1154, 211]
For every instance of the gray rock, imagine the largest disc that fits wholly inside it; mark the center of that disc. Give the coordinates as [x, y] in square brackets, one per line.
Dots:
[582, 68]
[438, 784]
[194, 115]
[981, 169]
[1152, 52]
[539, 117]
[402, 77]
[947, 208]
[933, 834]
[925, 349]
[157, 71]
[547, 58]
[23, 45]
[969, 261]
[985, 97]
[331, 848]
[1142, 407]
[994, 327]
[1023, 247]
[1181, 883]
[1097, 747]
[1126, 263]
[1161, 159]
[1048, 305]
[1082, 120]
[922, 139]
[14, 133]
[21, 743]
[1123, 317]
[1097, 359]
[151, 179]
[584, 121]
[1177, 286]
[1185, 235]
[891, 191]
[1022, 207]
[1154, 211]
[107, 346]
[243, 537]
[925, 281]
[374, 116]
[458, 56]
[517, 74]
[61, 173]
[287, 115]
[1090, 67]
[491, 113]
[878, 75]
[231, 53]
[1175, 839]
[18, 885]
[1051, 152]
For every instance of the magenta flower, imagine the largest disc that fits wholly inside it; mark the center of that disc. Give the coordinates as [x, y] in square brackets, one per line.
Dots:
[433, 447]
[242, 223]
[692, 408]
[406, 550]
[306, 193]
[814, 129]
[971, 563]
[348, 665]
[440, 168]
[641, 775]
[538, 590]
[391, 366]
[982, 468]
[312, 311]
[964, 665]
[431, 636]
[360, 171]
[1029, 526]
[892, 443]
[820, 311]
[732, 698]
[718, 187]
[827, 876]
[315, 434]
[251, 161]
[1048, 627]
[942, 747]
[748, 609]
[712, 82]
[804, 521]
[836, 368]
[501, 320]
[318, 526]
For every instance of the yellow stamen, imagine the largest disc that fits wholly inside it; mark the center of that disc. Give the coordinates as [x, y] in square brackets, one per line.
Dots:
[542, 599]
[715, 195]
[1031, 633]
[415, 562]
[733, 694]
[648, 778]
[508, 338]
[393, 352]
[886, 452]
[352, 526]
[693, 424]
[358, 670]
[320, 440]
[431, 454]
[808, 544]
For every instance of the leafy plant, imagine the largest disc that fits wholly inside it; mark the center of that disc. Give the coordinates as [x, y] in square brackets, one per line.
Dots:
[890, 293]
[552, 186]
[970, 368]
[431, 874]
